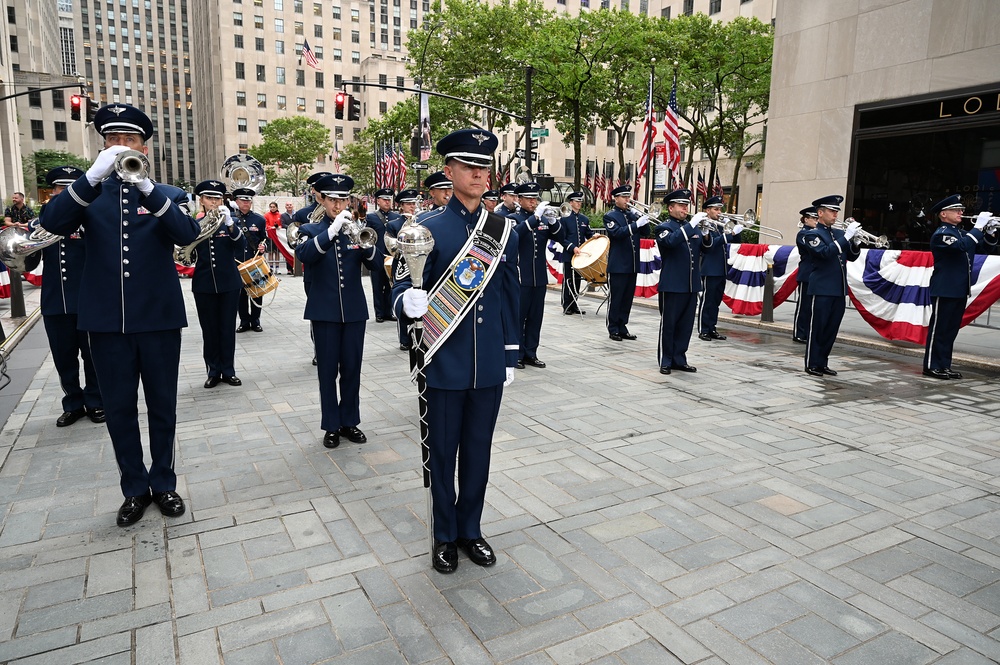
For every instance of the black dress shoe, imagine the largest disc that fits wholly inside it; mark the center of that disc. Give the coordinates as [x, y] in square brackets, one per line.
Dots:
[937, 373]
[664, 370]
[705, 336]
[352, 434]
[800, 340]
[479, 551]
[243, 328]
[314, 362]
[615, 336]
[685, 368]
[534, 362]
[96, 415]
[520, 364]
[828, 371]
[171, 504]
[628, 335]
[232, 380]
[391, 318]
[331, 439]
[379, 319]
[814, 371]
[445, 557]
[132, 509]
[402, 347]
[952, 374]
[70, 417]
[715, 335]
[257, 328]
[213, 381]
[572, 312]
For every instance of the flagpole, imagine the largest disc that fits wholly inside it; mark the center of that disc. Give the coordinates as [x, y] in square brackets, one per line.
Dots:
[649, 130]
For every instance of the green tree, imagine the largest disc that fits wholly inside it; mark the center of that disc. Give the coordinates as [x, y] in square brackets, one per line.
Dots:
[291, 147]
[40, 162]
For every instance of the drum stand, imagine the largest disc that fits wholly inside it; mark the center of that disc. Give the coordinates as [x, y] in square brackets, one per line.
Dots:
[577, 295]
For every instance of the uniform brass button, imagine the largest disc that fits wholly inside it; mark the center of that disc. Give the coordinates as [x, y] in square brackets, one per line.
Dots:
[125, 261]
[479, 320]
[125, 210]
[126, 275]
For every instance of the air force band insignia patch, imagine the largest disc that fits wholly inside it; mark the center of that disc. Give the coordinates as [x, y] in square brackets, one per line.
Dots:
[815, 242]
[469, 273]
[611, 224]
[949, 240]
[402, 270]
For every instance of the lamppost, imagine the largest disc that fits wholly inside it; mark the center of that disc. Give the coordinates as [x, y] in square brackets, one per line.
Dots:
[424, 131]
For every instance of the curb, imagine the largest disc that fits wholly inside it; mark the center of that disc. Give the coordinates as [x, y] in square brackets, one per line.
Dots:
[24, 325]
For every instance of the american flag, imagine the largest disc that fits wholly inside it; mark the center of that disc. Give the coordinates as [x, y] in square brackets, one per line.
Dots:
[671, 132]
[308, 54]
[587, 182]
[702, 187]
[717, 190]
[400, 169]
[648, 134]
[599, 185]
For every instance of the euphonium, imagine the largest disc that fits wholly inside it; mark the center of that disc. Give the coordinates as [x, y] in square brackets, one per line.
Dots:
[293, 236]
[16, 244]
[132, 166]
[208, 225]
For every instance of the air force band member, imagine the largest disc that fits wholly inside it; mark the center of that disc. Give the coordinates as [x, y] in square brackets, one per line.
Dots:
[378, 220]
[131, 306]
[830, 250]
[64, 262]
[953, 250]
[680, 243]
[337, 307]
[509, 206]
[254, 228]
[216, 286]
[714, 260]
[803, 310]
[577, 231]
[491, 199]
[439, 188]
[407, 200]
[624, 228]
[466, 372]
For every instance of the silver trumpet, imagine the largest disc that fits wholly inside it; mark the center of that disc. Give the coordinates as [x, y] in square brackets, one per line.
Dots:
[863, 237]
[16, 244]
[990, 230]
[653, 210]
[132, 166]
[363, 236]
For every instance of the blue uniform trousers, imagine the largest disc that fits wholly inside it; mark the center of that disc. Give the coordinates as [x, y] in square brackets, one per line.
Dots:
[803, 312]
[621, 287]
[946, 319]
[217, 316]
[532, 309]
[676, 322]
[460, 424]
[121, 361]
[712, 290]
[339, 348]
[68, 345]
[827, 313]
[570, 287]
[381, 294]
[249, 308]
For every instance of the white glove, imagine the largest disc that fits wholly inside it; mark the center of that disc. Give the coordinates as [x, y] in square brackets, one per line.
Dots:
[338, 223]
[145, 186]
[738, 229]
[104, 164]
[227, 217]
[414, 303]
[540, 210]
[642, 221]
[232, 204]
[510, 377]
[852, 230]
[697, 219]
[982, 219]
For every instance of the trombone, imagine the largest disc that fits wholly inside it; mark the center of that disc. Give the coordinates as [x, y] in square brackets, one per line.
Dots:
[749, 221]
[862, 236]
[653, 210]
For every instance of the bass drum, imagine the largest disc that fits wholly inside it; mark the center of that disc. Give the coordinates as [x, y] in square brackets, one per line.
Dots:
[592, 261]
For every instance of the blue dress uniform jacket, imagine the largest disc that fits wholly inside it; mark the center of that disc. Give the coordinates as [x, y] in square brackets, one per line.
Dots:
[680, 254]
[623, 255]
[803, 307]
[302, 217]
[63, 262]
[336, 271]
[254, 228]
[577, 231]
[215, 268]
[381, 288]
[532, 242]
[714, 266]
[953, 250]
[485, 343]
[125, 229]
[714, 257]
[830, 251]
[805, 258]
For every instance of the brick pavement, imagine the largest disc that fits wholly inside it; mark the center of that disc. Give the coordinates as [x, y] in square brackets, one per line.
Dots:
[745, 514]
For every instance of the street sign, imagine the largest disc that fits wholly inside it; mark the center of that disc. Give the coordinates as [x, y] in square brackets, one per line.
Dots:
[534, 143]
[538, 131]
[519, 153]
[419, 166]
[534, 156]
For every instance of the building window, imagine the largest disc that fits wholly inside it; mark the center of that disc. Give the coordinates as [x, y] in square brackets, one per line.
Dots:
[336, 13]
[714, 6]
[592, 136]
[300, 77]
[240, 71]
[261, 74]
[355, 16]
[279, 5]
[541, 166]
[400, 82]
[67, 47]
[237, 41]
[300, 103]
[279, 25]
[320, 106]
[37, 130]
[629, 139]
[12, 16]
[585, 3]
[261, 125]
[383, 107]
[605, 4]
[238, 19]
[665, 13]
[279, 75]
[356, 57]
[624, 5]
[259, 44]
[258, 22]
[299, 28]
[279, 47]
[570, 168]
[355, 37]
[13, 43]
[688, 7]
[241, 124]
[644, 7]
[297, 6]
[319, 80]
[61, 134]
[58, 99]
[611, 138]
[317, 9]
[338, 55]
[35, 99]
[282, 103]
[318, 52]
[336, 35]
[241, 98]
[382, 79]
[261, 100]
[318, 31]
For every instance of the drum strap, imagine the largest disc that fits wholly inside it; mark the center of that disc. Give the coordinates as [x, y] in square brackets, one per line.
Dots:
[454, 296]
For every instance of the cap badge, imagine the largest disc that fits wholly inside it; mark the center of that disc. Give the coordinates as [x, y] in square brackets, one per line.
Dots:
[480, 138]
[338, 179]
[117, 110]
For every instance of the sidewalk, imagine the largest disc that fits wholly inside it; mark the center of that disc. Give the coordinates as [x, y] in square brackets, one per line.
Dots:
[745, 514]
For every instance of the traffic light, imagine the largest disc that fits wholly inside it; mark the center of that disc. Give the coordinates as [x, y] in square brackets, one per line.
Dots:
[353, 108]
[91, 109]
[75, 105]
[339, 102]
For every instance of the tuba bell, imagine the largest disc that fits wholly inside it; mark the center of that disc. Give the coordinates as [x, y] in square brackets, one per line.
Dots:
[16, 244]
[207, 226]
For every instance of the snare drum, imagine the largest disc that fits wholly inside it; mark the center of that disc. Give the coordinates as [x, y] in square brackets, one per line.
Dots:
[257, 277]
[592, 261]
